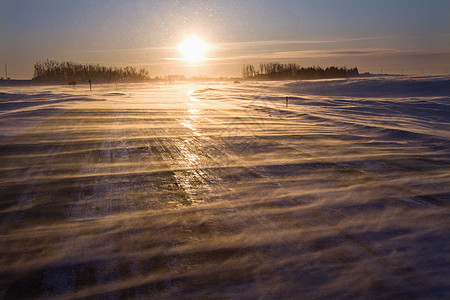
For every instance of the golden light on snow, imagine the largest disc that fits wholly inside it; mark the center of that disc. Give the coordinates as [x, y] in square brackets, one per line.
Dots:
[193, 49]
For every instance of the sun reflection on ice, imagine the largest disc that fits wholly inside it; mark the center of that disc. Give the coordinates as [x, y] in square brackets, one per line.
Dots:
[191, 127]
[192, 117]
[190, 178]
[192, 98]
[193, 112]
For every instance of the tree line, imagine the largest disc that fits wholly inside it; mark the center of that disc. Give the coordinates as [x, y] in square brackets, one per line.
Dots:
[51, 70]
[275, 70]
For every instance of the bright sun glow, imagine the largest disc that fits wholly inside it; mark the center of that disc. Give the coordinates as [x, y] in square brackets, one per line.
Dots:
[193, 49]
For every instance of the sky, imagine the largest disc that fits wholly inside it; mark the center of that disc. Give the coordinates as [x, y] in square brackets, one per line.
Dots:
[383, 35]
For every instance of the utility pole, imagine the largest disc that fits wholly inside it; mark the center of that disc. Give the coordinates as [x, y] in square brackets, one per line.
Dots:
[6, 70]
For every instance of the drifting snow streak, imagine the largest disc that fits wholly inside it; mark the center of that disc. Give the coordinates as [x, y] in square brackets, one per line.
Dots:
[160, 191]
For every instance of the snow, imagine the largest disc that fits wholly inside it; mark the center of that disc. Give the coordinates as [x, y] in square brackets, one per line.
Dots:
[220, 190]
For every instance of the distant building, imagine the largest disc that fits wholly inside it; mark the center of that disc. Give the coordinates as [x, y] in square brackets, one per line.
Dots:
[172, 78]
[176, 77]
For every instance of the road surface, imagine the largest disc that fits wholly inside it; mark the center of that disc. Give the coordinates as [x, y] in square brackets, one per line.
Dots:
[214, 191]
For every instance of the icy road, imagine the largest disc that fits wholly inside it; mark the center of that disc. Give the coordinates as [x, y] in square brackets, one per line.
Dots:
[221, 190]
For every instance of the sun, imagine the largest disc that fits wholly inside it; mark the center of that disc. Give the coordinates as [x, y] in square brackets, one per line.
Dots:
[193, 49]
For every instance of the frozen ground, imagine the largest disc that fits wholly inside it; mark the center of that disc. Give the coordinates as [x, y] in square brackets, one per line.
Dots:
[220, 191]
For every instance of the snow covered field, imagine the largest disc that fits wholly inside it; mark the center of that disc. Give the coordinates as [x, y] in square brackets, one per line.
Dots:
[220, 190]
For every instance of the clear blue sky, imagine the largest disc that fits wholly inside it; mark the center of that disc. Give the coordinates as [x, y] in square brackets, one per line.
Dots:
[388, 34]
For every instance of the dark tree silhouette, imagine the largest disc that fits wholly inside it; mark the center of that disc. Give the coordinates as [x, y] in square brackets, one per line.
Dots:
[51, 70]
[275, 70]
